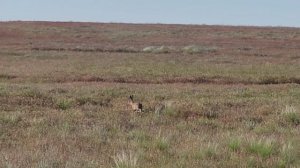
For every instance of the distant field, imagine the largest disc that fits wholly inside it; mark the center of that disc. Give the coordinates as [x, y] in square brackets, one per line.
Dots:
[64, 87]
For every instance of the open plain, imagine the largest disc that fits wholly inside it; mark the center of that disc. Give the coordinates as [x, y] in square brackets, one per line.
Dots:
[230, 95]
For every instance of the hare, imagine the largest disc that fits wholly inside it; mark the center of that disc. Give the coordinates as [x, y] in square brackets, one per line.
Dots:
[138, 107]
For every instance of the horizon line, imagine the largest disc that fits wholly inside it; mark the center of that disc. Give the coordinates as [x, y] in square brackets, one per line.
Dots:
[156, 23]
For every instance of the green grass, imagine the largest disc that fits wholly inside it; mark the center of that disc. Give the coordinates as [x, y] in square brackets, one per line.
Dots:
[10, 120]
[289, 155]
[211, 152]
[208, 152]
[263, 148]
[291, 115]
[64, 104]
[162, 143]
[234, 144]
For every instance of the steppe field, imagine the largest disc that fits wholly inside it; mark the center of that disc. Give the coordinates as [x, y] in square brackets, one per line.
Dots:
[213, 96]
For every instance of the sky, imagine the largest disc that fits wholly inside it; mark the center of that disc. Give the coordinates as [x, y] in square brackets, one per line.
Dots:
[209, 12]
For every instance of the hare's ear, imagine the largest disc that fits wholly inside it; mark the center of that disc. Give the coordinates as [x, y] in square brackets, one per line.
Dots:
[131, 97]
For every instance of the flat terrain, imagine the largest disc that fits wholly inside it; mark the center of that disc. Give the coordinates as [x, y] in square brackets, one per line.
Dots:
[230, 95]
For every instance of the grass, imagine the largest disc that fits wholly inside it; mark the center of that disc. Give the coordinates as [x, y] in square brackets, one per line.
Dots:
[64, 87]
[10, 120]
[263, 148]
[162, 143]
[124, 160]
[156, 49]
[289, 155]
[210, 152]
[64, 104]
[194, 49]
[234, 144]
[291, 115]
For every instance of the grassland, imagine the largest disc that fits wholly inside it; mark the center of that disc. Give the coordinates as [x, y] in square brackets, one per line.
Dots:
[64, 89]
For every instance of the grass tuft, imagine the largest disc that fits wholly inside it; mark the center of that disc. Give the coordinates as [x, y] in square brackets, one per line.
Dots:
[211, 151]
[64, 104]
[291, 115]
[234, 144]
[125, 160]
[208, 152]
[289, 155]
[211, 110]
[263, 148]
[162, 143]
[10, 120]
[85, 100]
[172, 112]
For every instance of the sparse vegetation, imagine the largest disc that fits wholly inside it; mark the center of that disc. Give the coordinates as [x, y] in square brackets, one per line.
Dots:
[234, 144]
[162, 143]
[124, 160]
[156, 49]
[194, 49]
[263, 148]
[232, 100]
[210, 152]
[64, 104]
[291, 115]
[289, 155]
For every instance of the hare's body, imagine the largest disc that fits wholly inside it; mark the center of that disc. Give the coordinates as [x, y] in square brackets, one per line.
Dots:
[138, 107]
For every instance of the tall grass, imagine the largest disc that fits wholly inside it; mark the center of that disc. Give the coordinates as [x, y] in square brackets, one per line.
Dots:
[289, 155]
[125, 160]
[291, 115]
[234, 144]
[261, 147]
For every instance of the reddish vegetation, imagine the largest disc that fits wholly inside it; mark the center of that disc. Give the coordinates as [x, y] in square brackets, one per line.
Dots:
[48, 36]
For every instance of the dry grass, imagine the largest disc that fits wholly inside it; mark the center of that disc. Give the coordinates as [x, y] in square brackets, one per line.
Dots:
[64, 90]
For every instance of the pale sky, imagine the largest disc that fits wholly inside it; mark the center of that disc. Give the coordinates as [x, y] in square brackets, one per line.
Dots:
[210, 12]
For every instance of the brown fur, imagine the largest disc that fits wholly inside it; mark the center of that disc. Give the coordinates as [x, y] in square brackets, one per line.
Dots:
[138, 107]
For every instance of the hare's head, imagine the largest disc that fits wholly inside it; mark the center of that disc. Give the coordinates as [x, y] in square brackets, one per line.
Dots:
[130, 99]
